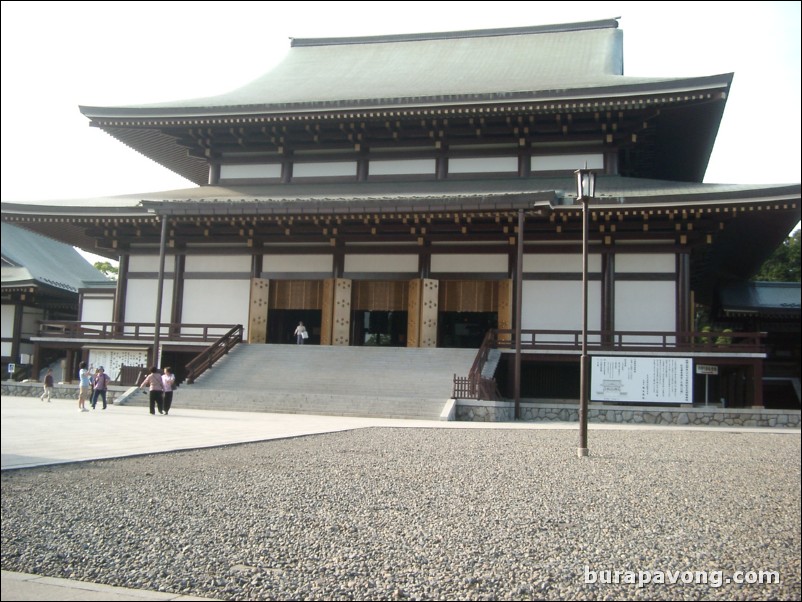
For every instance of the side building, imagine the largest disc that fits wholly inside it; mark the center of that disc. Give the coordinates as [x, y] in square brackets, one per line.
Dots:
[43, 279]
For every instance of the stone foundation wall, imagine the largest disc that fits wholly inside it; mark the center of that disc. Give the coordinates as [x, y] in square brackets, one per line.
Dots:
[15, 389]
[502, 411]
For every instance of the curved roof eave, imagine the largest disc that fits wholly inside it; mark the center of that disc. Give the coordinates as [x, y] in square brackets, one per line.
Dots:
[611, 191]
[613, 87]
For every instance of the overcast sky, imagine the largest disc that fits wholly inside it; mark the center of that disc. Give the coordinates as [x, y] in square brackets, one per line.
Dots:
[59, 55]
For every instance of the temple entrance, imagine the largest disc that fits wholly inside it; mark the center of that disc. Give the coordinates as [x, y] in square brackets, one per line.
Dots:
[281, 325]
[469, 308]
[379, 328]
[464, 329]
[379, 313]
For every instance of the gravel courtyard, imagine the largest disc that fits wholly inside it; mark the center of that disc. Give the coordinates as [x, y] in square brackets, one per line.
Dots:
[425, 514]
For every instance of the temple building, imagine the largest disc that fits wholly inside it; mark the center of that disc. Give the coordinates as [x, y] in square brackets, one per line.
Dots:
[419, 191]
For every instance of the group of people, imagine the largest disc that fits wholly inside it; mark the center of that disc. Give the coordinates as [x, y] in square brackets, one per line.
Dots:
[160, 387]
[92, 386]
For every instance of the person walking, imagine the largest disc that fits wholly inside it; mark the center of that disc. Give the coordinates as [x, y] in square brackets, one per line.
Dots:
[168, 383]
[154, 383]
[84, 386]
[300, 333]
[100, 387]
[49, 384]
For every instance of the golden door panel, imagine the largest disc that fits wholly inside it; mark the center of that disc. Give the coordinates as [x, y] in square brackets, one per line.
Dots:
[468, 295]
[373, 295]
[296, 294]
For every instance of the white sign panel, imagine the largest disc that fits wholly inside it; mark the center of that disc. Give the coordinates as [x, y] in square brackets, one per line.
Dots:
[641, 379]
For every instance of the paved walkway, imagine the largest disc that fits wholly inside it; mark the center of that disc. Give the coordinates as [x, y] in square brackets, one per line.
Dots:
[35, 433]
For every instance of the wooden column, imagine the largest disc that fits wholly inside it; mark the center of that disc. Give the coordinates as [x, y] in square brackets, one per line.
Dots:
[258, 308]
[335, 323]
[422, 309]
[118, 313]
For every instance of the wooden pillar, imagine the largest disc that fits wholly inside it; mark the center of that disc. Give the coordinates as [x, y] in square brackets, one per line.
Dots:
[756, 373]
[335, 322]
[608, 297]
[176, 313]
[683, 290]
[122, 288]
[505, 303]
[258, 309]
[422, 310]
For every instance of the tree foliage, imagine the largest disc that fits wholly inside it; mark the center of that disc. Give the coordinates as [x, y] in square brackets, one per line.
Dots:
[107, 269]
[783, 265]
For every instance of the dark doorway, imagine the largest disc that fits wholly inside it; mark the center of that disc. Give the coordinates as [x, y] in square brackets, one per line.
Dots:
[178, 361]
[281, 324]
[464, 329]
[379, 328]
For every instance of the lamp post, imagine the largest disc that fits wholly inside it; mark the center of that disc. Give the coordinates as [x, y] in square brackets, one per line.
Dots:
[585, 189]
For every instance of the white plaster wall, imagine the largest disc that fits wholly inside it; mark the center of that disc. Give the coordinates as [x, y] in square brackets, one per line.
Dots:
[250, 171]
[646, 306]
[217, 263]
[381, 263]
[298, 263]
[483, 165]
[562, 162]
[560, 263]
[557, 305]
[97, 309]
[216, 302]
[403, 166]
[7, 326]
[469, 262]
[144, 263]
[140, 300]
[645, 263]
[329, 169]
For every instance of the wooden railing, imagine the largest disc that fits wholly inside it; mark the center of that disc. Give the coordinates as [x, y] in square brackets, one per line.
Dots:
[633, 341]
[475, 386]
[131, 331]
[213, 353]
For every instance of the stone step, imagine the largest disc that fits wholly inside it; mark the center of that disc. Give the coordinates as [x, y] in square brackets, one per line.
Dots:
[348, 381]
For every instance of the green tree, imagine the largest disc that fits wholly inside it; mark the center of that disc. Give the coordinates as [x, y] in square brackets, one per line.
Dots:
[108, 270]
[783, 265]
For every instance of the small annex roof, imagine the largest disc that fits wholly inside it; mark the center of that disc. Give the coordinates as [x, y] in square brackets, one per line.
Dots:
[30, 259]
[762, 298]
[575, 60]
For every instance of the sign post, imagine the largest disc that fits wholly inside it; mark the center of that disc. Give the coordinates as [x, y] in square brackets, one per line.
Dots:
[707, 370]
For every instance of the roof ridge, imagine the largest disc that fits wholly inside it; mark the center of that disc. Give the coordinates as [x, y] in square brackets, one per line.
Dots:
[452, 35]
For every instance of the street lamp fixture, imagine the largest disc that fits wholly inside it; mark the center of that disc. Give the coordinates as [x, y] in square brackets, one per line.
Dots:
[585, 189]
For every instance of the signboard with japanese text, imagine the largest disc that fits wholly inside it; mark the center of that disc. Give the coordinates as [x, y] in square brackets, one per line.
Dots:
[641, 379]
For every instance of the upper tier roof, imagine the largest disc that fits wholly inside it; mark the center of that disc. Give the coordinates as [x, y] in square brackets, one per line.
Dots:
[578, 60]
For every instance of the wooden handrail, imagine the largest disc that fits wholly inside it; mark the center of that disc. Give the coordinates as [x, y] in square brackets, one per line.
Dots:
[213, 353]
[138, 331]
[475, 386]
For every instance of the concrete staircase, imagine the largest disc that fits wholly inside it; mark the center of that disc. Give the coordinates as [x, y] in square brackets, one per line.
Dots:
[388, 382]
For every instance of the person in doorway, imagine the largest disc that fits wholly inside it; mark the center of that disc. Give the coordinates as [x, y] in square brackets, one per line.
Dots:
[300, 333]
[49, 384]
[154, 383]
[100, 387]
[168, 383]
[84, 386]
